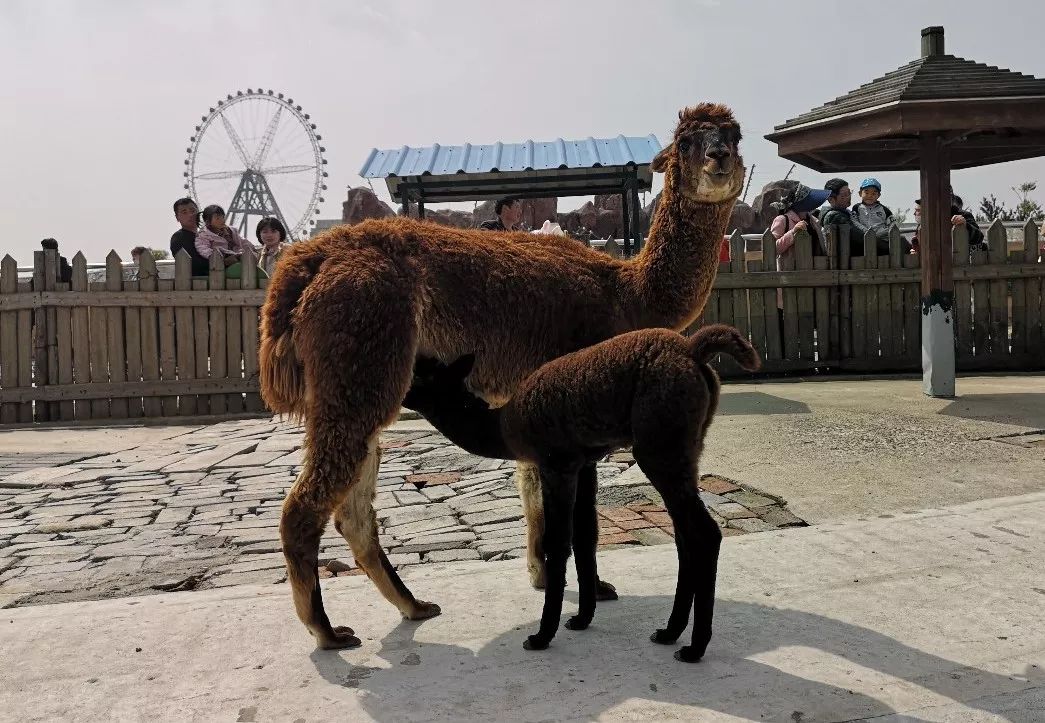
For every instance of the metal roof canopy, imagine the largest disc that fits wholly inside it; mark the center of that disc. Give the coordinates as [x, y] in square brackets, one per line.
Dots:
[936, 113]
[532, 169]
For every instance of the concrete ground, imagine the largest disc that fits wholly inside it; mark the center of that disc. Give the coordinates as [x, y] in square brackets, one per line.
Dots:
[918, 594]
[932, 616]
[840, 450]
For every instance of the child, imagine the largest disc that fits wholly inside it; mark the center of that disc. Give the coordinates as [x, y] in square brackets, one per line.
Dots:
[871, 215]
[217, 236]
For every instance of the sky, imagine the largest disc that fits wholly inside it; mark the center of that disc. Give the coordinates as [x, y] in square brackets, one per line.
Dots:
[99, 98]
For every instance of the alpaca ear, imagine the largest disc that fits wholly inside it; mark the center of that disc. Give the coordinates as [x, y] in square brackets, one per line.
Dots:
[462, 366]
[659, 164]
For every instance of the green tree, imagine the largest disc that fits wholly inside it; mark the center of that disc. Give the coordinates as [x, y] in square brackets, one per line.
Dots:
[1027, 208]
[160, 254]
[991, 208]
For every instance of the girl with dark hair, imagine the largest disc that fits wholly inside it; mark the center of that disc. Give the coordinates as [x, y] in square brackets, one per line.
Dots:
[272, 236]
[217, 237]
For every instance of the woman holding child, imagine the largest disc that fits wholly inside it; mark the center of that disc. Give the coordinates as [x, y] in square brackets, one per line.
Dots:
[217, 237]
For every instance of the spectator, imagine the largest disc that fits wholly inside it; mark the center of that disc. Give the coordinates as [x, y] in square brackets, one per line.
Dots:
[136, 254]
[838, 213]
[509, 213]
[272, 236]
[959, 217]
[795, 214]
[217, 237]
[184, 239]
[872, 215]
[65, 271]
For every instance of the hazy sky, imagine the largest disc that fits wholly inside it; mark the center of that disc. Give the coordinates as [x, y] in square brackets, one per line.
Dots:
[99, 98]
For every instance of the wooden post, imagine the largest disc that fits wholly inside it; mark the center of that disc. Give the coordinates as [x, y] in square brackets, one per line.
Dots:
[937, 279]
[636, 218]
[625, 211]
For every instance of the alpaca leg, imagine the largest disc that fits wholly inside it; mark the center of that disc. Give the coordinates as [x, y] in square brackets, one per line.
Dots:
[528, 481]
[305, 513]
[559, 493]
[356, 521]
[667, 478]
[704, 539]
[585, 540]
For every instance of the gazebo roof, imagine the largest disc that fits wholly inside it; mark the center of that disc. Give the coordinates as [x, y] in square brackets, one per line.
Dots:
[581, 167]
[992, 114]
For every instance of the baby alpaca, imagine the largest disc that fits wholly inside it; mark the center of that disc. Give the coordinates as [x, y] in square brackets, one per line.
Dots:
[652, 389]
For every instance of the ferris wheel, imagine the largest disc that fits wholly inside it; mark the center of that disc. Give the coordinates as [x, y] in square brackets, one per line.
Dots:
[260, 150]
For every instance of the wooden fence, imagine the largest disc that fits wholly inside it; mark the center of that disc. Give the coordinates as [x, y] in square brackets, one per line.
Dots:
[121, 349]
[156, 347]
[863, 313]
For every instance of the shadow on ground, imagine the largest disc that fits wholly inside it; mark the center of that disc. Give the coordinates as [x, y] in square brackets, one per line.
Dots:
[758, 403]
[1026, 409]
[586, 674]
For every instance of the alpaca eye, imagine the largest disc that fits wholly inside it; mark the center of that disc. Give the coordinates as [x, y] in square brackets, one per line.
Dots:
[684, 145]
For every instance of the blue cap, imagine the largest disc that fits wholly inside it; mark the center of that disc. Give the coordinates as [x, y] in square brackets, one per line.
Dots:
[870, 183]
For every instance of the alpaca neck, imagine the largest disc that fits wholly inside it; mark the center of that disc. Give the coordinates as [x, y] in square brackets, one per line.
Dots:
[467, 421]
[672, 276]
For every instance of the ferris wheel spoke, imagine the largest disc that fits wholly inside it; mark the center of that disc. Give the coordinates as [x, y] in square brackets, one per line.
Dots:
[270, 135]
[218, 175]
[234, 137]
[286, 169]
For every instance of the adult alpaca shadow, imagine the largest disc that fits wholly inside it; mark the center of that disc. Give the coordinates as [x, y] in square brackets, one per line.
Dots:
[613, 668]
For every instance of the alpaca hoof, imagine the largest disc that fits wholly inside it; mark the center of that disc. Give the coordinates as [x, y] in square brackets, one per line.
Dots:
[533, 642]
[605, 591]
[537, 577]
[688, 654]
[663, 637]
[578, 623]
[342, 637]
[423, 610]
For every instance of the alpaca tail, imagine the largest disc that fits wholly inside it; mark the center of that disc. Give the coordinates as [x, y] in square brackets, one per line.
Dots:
[281, 373]
[723, 339]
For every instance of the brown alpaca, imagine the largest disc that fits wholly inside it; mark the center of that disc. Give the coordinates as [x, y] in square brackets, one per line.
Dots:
[349, 311]
[650, 388]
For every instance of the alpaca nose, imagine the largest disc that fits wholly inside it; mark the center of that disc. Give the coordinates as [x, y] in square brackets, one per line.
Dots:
[719, 153]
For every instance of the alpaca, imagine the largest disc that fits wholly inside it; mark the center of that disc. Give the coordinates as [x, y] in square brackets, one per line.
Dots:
[348, 312]
[651, 388]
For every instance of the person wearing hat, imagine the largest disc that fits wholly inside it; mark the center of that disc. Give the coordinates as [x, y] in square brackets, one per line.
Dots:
[959, 217]
[795, 214]
[872, 215]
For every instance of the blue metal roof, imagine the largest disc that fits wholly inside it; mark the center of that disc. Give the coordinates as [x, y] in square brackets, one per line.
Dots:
[437, 160]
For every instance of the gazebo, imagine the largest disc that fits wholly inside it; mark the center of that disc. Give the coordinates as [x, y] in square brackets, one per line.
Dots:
[531, 169]
[934, 114]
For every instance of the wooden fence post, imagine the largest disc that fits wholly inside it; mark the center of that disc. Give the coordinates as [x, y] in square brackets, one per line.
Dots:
[148, 280]
[770, 310]
[118, 407]
[1034, 289]
[249, 322]
[80, 328]
[218, 343]
[8, 339]
[185, 337]
[39, 336]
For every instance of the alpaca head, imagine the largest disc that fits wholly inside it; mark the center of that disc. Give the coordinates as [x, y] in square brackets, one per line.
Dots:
[702, 162]
[437, 386]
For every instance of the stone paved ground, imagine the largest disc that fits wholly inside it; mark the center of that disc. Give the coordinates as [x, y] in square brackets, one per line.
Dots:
[201, 509]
